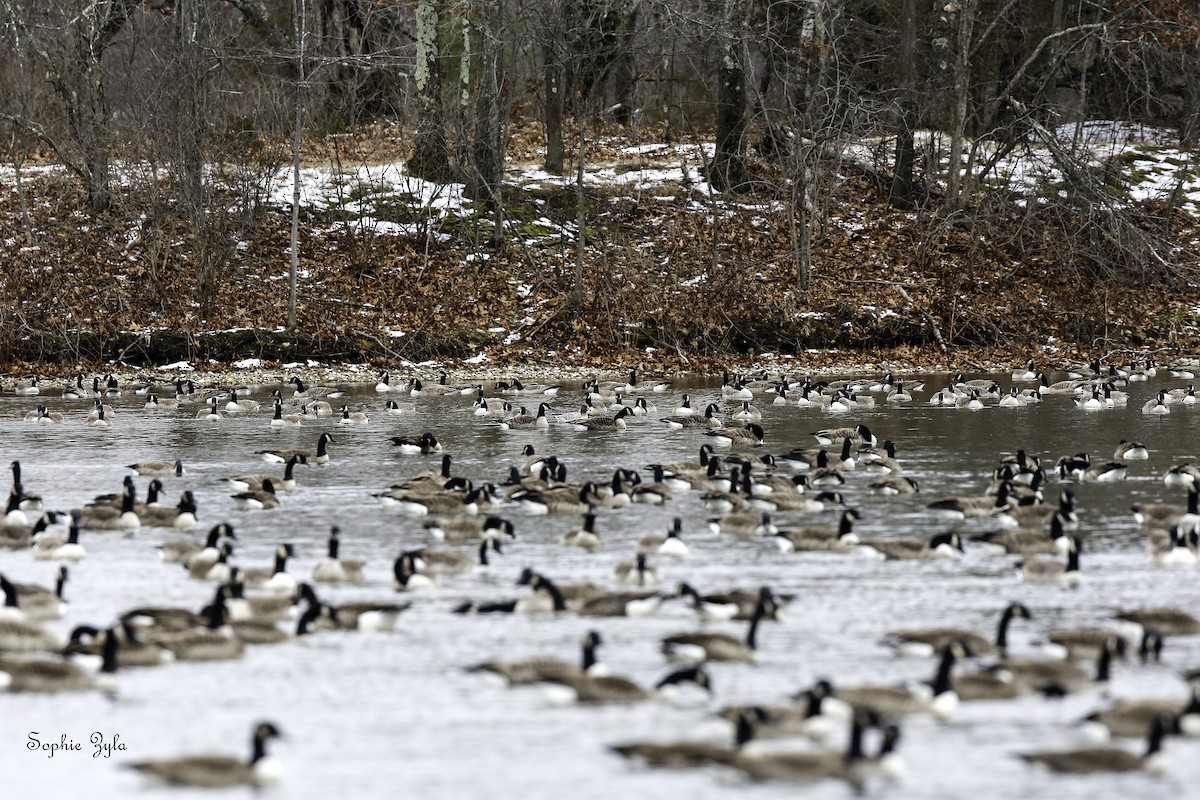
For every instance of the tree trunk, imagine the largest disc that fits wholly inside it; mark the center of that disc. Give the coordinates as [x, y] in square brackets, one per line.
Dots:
[729, 161]
[901, 195]
[961, 98]
[552, 71]
[624, 72]
[431, 155]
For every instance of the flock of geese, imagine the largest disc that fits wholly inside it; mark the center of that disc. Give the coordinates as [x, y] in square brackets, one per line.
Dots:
[787, 497]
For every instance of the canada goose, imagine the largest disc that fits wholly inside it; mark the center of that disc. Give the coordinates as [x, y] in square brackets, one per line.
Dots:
[899, 484]
[1157, 406]
[751, 435]
[1045, 571]
[1181, 475]
[338, 569]
[1037, 514]
[1131, 451]
[270, 608]
[1056, 676]
[589, 689]
[56, 548]
[132, 651]
[806, 766]
[936, 697]
[469, 528]
[681, 754]
[636, 572]
[356, 418]
[60, 675]
[956, 508]
[709, 608]
[101, 417]
[274, 578]
[22, 636]
[179, 551]
[550, 596]
[1025, 374]
[927, 641]
[860, 434]
[43, 416]
[360, 615]
[942, 545]
[1166, 620]
[203, 568]
[708, 420]
[253, 481]
[281, 420]
[306, 457]
[614, 423]
[564, 500]
[747, 413]
[527, 422]
[1133, 718]
[408, 579]
[743, 525]
[451, 562]
[1167, 514]
[211, 412]
[181, 517]
[1082, 643]
[1107, 759]
[258, 499]
[219, 771]
[423, 503]
[424, 444]
[585, 536]
[396, 409]
[1028, 541]
[1171, 548]
[641, 603]
[820, 537]
[652, 493]
[18, 536]
[314, 392]
[40, 603]
[158, 469]
[700, 647]
[156, 403]
[1058, 387]
[663, 544]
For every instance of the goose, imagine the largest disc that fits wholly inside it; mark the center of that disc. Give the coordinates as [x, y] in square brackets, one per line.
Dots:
[408, 578]
[384, 383]
[360, 615]
[860, 434]
[1039, 514]
[424, 444]
[747, 413]
[23, 636]
[425, 503]
[641, 603]
[181, 517]
[469, 529]
[396, 409]
[588, 689]
[535, 669]
[314, 392]
[563, 500]
[809, 766]
[1181, 475]
[686, 753]
[614, 423]
[321, 456]
[76, 390]
[11, 611]
[258, 499]
[156, 403]
[899, 484]
[751, 435]
[928, 641]
[700, 647]
[941, 545]
[820, 537]
[810, 716]
[202, 568]
[708, 420]
[101, 417]
[270, 608]
[527, 422]
[43, 416]
[1157, 406]
[158, 469]
[1045, 571]
[88, 642]
[338, 569]
[1028, 541]
[1058, 387]
[211, 412]
[517, 387]
[355, 418]
[654, 493]
[60, 675]
[1083, 643]
[40, 603]
[1133, 718]
[1025, 374]
[179, 551]
[636, 572]
[585, 536]
[219, 771]
[1164, 619]
[743, 524]
[1055, 676]
[957, 508]
[451, 562]
[281, 420]
[663, 544]
[1107, 759]
[56, 548]
[1171, 548]
[937, 697]
[253, 481]
[18, 536]
[710, 608]
[274, 578]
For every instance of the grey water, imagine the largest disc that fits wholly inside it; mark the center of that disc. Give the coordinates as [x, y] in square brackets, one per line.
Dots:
[396, 714]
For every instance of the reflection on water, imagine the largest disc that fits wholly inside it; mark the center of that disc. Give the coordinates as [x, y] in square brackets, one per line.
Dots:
[378, 714]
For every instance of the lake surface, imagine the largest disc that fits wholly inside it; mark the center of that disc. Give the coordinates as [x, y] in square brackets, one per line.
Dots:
[395, 714]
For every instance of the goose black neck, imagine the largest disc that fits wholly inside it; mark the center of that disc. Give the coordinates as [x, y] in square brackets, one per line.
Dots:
[556, 595]
[109, 665]
[941, 679]
[854, 752]
[846, 525]
[333, 547]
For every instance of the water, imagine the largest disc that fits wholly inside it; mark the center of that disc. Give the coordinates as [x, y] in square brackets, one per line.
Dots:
[385, 714]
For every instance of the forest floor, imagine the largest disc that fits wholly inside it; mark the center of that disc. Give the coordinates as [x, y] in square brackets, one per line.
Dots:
[401, 274]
